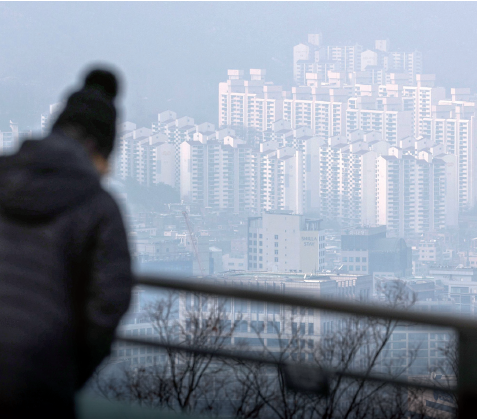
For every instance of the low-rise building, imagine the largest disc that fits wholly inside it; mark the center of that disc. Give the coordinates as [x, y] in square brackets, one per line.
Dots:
[280, 241]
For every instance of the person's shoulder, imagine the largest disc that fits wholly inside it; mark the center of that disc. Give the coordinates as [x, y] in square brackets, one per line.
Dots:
[104, 204]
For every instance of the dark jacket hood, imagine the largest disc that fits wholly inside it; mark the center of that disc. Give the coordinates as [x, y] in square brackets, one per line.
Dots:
[46, 177]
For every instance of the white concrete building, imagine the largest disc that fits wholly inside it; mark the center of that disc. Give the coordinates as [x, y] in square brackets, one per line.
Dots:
[47, 119]
[126, 153]
[416, 194]
[285, 242]
[249, 103]
[155, 161]
[453, 126]
[9, 140]
[218, 173]
[393, 125]
[347, 181]
[421, 98]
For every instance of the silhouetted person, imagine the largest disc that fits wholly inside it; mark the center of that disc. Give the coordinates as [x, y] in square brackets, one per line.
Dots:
[65, 274]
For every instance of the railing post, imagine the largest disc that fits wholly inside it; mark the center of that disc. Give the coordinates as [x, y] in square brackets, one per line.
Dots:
[467, 374]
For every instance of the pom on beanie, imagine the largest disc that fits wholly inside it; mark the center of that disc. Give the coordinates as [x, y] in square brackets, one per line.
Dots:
[102, 80]
[92, 108]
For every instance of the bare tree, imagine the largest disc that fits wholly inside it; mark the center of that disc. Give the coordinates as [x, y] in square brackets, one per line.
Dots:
[179, 381]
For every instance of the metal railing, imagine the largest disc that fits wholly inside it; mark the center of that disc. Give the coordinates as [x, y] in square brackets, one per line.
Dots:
[466, 329]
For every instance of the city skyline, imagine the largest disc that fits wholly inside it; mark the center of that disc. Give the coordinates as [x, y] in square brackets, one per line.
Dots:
[173, 83]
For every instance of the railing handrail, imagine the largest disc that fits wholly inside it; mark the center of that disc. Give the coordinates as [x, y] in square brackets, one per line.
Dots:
[466, 328]
[207, 286]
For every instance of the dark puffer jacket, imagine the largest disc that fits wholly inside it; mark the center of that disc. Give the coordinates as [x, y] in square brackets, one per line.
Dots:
[65, 274]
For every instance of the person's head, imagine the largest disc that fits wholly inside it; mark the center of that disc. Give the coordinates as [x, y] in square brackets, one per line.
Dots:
[90, 116]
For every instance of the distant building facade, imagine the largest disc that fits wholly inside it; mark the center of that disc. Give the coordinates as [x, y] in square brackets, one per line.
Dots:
[285, 242]
[367, 251]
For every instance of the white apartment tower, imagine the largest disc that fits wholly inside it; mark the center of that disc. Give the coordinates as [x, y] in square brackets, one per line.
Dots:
[346, 181]
[416, 194]
[453, 126]
[218, 173]
[323, 110]
[250, 103]
[420, 100]
[177, 130]
[305, 56]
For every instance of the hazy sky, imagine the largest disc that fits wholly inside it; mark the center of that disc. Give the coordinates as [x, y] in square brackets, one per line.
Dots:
[174, 54]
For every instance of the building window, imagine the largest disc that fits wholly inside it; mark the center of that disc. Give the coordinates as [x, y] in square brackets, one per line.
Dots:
[260, 258]
[261, 266]
[260, 236]
[260, 251]
[260, 243]
[276, 237]
[257, 326]
[311, 328]
[258, 307]
[276, 259]
[358, 260]
[351, 267]
[255, 235]
[345, 259]
[276, 252]
[364, 268]
[273, 327]
[358, 268]
[276, 244]
[351, 259]
[363, 259]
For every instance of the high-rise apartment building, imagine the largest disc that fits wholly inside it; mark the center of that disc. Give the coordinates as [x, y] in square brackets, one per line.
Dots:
[177, 130]
[392, 125]
[218, 171]
[420, 99]
[323, 110]
[47, 119]
[314, 57]
[453, 126]
[9, 140]
[126, 159]
[144, 156]
[375, 64]
[415, 194]
[306, 56]
[155, 161]
[285, 242]
[347, 56]
[409, 63]
[250, 103]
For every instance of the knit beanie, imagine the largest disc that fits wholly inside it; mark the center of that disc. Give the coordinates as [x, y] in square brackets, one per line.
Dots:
[92, 108]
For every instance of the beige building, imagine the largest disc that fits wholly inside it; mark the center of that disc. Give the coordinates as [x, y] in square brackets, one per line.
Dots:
[284, 242]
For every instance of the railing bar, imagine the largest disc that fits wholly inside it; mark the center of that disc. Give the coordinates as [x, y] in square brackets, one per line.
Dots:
[261, 360]
[357, 309]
